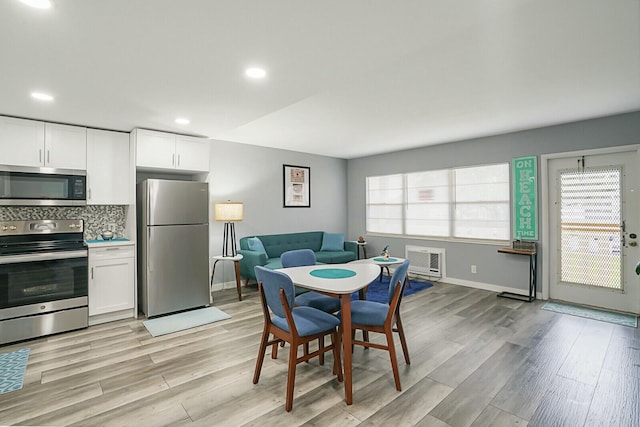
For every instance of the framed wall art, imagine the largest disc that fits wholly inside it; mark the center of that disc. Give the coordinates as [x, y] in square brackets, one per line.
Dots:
[296, 186]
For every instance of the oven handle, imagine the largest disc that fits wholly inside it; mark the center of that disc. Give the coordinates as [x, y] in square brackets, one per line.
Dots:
[11, 259]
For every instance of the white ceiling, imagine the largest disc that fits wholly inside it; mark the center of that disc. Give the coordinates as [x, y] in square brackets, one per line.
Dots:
[345, 78]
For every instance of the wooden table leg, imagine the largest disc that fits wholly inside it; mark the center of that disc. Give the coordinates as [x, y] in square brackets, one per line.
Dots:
[238, 285]
[213, 271]
[345, 303]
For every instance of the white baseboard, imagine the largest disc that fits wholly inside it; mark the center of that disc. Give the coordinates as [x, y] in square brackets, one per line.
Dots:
[468, 283]
[225, 285]
[486, 286]
[110, 317]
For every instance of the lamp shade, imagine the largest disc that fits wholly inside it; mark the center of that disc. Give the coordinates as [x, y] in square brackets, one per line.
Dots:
[228, 211]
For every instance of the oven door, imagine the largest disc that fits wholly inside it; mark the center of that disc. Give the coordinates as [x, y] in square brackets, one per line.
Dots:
[42, 282]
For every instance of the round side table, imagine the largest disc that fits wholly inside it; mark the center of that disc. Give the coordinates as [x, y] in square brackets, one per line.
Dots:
[236, 261]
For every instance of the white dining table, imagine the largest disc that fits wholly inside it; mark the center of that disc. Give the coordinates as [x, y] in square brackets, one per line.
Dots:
[360, 276]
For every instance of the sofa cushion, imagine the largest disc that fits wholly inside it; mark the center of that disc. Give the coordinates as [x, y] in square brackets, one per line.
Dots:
[332, 242]
[276, 244]
[335, 257]
[255, 244]
[273, 263]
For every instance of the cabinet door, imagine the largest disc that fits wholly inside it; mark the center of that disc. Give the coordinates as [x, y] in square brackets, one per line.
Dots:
[65, 146]
[21, 142]
[111, 285]
[109, 168]
[192, 153]
[155, 150]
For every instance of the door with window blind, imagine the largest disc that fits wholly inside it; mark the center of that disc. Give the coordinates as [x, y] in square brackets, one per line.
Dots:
[593, 222]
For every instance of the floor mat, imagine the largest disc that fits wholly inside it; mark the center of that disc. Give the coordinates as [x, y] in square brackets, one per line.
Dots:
[185, 320]
[592, 313]
[12, 369]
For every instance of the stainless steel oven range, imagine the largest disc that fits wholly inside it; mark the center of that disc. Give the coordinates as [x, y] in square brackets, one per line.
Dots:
[43, 278]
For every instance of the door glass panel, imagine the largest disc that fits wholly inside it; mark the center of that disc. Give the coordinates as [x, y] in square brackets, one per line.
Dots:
[590, 232]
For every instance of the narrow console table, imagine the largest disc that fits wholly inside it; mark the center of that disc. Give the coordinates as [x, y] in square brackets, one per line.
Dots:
[533, 261]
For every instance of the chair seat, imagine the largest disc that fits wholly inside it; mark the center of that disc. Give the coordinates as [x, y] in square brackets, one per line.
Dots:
[368, 313]
[308, 320]
[319, 301]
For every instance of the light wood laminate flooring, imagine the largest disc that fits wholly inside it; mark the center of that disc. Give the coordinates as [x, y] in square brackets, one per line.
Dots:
[476, 360]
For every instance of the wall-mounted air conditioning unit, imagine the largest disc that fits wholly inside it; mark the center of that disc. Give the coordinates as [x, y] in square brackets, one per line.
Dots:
[425, 261]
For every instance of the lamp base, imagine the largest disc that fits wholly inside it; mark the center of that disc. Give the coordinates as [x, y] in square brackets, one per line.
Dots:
[229, 240]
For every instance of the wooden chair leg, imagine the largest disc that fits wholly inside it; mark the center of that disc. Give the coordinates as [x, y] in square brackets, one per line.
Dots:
[403, 340]
[394, 359]
[337, 363]
[274, 350]
[291, 376]
[321, 347]
[261, 351]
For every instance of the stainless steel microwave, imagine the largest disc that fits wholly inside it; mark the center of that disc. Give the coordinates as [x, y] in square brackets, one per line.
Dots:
[25, 186]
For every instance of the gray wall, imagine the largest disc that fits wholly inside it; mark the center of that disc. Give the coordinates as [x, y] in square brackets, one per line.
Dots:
[492, 268]
[253, 175]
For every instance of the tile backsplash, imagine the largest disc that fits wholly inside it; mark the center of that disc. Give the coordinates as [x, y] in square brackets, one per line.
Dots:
[96, 218]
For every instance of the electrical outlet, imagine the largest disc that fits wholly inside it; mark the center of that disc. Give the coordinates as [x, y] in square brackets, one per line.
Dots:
[473, 269]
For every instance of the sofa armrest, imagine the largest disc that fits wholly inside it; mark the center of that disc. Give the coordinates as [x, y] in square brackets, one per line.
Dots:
[249, 261]
[351, 247]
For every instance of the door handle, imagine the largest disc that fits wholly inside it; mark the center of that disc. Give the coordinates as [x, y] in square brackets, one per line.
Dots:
[40, 155]
[91, 273]
[178, 159]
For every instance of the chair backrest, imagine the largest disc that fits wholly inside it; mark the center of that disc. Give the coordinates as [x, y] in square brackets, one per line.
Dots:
[272, 282]
[398, 276]
[297, 258]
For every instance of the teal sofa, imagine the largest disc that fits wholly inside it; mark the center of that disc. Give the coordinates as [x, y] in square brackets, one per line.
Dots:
[276, 244]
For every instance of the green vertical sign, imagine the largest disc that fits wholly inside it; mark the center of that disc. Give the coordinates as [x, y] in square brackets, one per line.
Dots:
[525, 198]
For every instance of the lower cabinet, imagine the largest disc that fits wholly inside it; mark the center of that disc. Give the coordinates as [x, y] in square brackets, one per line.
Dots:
[111, 283]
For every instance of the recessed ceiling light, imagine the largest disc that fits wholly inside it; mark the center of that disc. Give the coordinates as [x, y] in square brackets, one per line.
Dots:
[38, 4]
[256, 73]
[182, 121]
[41, 96]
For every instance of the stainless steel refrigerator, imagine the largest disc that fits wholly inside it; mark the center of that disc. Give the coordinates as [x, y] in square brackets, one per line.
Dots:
[173, 249]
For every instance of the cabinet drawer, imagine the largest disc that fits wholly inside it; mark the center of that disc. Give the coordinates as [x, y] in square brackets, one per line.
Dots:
[112, 252]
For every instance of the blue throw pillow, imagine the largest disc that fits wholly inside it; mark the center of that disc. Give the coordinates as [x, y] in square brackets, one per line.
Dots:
[256, 245]
[332, 242]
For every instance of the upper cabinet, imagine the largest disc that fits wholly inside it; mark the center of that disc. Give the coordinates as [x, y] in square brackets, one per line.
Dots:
[170, 152]
[65, 146]
[110, 170]
[192, 153]
[34, 143]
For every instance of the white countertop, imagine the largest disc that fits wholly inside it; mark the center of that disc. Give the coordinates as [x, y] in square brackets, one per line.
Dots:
[105, 243]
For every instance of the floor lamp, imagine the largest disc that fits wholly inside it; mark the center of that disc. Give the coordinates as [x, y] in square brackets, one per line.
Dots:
[229, 213]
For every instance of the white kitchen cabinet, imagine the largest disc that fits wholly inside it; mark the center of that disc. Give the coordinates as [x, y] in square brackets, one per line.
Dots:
[65, 147]
[110, 173]
[192, 153]
[21, 141]
[111, 282]
[171, 152]
[34, 143]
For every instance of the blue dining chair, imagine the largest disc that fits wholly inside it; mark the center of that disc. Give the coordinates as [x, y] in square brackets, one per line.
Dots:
[301, 257]
[295, 325]
[371, 316]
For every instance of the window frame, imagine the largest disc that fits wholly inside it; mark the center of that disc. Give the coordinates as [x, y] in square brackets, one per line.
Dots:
[451, 207]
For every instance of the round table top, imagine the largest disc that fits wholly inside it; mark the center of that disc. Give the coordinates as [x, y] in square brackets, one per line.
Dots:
[379, 260]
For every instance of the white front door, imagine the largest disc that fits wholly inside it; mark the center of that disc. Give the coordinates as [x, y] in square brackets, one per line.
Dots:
[593, 223]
